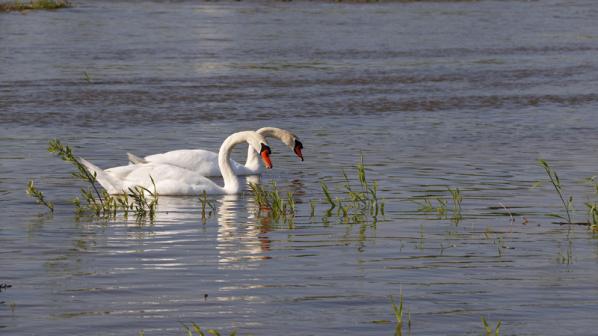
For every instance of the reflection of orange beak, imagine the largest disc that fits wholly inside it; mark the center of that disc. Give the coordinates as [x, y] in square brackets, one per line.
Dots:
[298, 152]
[266, 157]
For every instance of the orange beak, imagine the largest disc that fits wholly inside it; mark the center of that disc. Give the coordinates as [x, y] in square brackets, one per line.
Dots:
[297, 149]
[265, 153]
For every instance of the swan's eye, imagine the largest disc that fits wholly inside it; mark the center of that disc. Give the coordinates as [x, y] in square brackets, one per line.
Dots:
[298, 144]
[265, 148]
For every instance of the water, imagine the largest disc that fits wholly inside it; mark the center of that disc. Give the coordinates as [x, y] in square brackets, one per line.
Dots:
[434, 95]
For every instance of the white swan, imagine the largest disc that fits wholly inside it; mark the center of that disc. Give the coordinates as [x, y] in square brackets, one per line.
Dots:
[173, 180]
[205, 163]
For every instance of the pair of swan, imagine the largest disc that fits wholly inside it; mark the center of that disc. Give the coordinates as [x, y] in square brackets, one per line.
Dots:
[182, 172]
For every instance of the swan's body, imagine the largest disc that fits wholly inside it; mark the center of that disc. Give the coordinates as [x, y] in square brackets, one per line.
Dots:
[174, 180]
[205, 163]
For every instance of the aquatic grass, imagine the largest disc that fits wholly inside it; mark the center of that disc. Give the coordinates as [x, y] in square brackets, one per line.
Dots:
[440, 205]
[86, 76]
[355, 201]
[34, 5]
[593, 216]
[427, 206]
[141, 205]
[100, 203]
[488, 330]
[312, 206]
[399, 311]
[39, 196]
[457, 200]
[567, 257]
[327, 195]
[66, 154]
[205, 203]
[276, 205]
[556, 183]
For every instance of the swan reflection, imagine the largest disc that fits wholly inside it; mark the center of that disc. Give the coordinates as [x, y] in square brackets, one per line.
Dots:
[241, 239]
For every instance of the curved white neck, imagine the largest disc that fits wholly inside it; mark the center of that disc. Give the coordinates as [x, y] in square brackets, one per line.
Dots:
[231, 181]
[253, 159]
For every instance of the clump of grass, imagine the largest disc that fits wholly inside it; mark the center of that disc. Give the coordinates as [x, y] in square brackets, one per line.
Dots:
[39, 196]
[593, 216]
[100, 203]
[440, 208]
[457, 200]
[356, 203]
[556, 183]
[271, 201]
[34, 5]
[86, 76]
[440, 205]
[399, 311]
[489, 331]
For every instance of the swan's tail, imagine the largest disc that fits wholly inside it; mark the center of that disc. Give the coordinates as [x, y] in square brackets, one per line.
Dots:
[135, 159]
[111, 184]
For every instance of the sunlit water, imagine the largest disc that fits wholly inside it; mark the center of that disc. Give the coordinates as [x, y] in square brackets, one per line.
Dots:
[433, 95]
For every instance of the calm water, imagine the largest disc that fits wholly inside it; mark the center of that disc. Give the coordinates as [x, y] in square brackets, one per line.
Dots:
[434, 95]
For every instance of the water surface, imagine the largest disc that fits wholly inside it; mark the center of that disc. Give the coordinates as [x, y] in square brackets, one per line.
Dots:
[432, 94]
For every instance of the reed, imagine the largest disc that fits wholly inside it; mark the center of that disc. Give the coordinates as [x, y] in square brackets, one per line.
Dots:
[556, 183]
[39, 196]
[489, 331]
[205, 203]
[327, 195]
[399, 311]
[457, 200]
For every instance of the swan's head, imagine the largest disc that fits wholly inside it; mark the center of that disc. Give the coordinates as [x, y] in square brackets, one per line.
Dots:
[265, 154]
[288, 138]
[297, 149]
[260, 145]
[292, 141]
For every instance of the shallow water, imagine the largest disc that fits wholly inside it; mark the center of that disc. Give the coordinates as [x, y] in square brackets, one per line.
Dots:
[434, 95]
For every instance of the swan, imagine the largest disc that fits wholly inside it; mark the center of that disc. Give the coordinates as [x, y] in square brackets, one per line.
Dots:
[205, 163]
[174, 181]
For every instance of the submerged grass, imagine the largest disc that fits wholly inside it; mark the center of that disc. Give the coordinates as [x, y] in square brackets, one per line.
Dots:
[440, 205]
[205, 203]
[34, 5]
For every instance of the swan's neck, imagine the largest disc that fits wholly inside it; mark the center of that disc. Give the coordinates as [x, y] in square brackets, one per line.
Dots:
[231, 181]
[253, 159]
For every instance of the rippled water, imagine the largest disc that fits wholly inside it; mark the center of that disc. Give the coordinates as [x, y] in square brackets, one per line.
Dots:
[433, 94]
